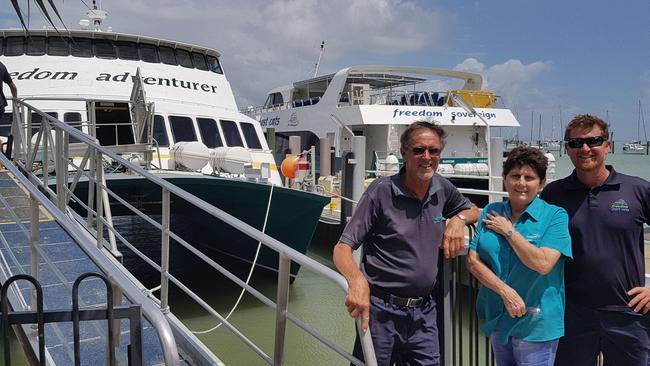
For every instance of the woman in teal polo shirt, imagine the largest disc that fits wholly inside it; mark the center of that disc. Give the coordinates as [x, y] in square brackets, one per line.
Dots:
[518, 255]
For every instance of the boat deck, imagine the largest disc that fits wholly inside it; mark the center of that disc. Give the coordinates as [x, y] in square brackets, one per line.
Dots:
[61, 262]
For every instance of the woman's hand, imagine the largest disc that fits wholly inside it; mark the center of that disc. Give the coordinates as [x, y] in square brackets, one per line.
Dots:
[514, 304]
[497, 223]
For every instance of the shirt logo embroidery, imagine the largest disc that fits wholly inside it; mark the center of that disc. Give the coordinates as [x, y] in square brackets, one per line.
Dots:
[619, 206]
[438, 219]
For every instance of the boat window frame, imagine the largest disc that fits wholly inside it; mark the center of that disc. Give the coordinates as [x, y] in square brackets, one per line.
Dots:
[98, 41]
[219, 138]
[65, 40]
[171, 53]
[42, 49]
[155, 52]
[203, 64]
[214, 66]
[159, 121]
[119, 45]
[182, 61]
[172, 119]
[67, 118]
[22, 46]
[76, 41]
[253, 135]
[226, 133]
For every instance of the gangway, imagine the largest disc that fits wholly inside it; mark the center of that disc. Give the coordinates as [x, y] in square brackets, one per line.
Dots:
[42, 152]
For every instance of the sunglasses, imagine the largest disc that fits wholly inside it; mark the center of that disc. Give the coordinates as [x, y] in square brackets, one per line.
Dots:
[576, 143]
[420, 150]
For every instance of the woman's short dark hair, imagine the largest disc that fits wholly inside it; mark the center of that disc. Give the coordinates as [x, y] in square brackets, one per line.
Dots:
[405, 139]
[524, 155]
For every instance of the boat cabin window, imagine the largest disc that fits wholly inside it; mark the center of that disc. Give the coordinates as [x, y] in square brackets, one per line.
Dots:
[167, 55]
[273, 100]
[58, 46]
[37, 119]
[104, 48]
[250, 135]
[209, 132]
[182, 128]
[231, 133]
[81, 47]
[184, 58]
[14, 46]
[74, 120]
[35, 46]
[113, 124]
[214, 65]
[148, 53]
[127, 50]
[159, 131]
[199, 61]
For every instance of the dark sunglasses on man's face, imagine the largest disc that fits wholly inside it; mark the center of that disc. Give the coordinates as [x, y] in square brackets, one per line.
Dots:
[576, 143]
[420, 150]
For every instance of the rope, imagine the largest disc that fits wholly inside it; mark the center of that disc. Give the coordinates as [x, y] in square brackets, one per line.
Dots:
[250, 273]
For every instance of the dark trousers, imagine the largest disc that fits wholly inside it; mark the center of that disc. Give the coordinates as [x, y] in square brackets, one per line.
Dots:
[402, 335]
[623, 338]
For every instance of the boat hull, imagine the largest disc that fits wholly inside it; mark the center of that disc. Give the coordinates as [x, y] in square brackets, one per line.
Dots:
[292, 218]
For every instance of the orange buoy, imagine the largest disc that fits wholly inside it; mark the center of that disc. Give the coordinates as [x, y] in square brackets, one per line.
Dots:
[289, 166]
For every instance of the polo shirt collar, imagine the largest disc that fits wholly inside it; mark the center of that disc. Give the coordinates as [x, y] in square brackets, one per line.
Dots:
[573, 183]
[399, 188]
[534, 209]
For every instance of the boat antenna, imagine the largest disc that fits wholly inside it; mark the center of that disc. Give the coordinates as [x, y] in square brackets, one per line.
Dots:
[320, 54]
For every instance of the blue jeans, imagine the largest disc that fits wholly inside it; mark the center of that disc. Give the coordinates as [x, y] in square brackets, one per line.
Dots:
[623, 338]
[401, 335]
[518, 352]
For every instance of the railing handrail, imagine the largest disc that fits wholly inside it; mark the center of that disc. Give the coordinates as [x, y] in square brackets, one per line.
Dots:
[282, 249]
[110, 269]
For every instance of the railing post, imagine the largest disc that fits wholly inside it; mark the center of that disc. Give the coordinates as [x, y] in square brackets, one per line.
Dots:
[33, 241]
[91, 186]
[447, 336]
[164, 251]
[282, 302]
[45, 131]
[61, 170]
[99, 174]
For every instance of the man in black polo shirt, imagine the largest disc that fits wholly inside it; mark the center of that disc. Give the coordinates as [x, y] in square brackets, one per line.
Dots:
[6, 78]
[606, 299]
[400, 220]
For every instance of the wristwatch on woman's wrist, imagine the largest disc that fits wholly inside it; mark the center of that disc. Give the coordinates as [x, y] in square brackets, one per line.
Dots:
[509, 233]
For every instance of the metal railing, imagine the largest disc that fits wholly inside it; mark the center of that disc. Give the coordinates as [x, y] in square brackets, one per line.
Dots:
[40, 317]
[91, 168]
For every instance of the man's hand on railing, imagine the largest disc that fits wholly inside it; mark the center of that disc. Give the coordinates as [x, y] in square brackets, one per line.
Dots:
[453, 242]
[358, 300]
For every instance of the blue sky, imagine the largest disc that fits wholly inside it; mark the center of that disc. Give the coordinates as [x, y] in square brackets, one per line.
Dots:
[541, 56]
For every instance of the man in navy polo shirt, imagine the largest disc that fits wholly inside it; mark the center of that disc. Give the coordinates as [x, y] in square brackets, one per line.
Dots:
[606, 299]
[400, 220]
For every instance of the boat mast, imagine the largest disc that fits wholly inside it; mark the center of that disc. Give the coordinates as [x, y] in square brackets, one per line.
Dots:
[320, 54]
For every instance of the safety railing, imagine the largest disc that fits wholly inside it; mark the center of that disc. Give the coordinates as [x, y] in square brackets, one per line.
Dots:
[91, 169]
[40, 317]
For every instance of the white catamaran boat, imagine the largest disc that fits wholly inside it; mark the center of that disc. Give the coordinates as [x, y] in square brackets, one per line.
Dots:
[189, 119]
[379, 102]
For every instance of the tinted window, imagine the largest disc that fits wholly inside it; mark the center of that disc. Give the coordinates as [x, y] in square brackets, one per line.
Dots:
[104, 48]
[209, 132]
[250, 135]
[58, 46]
[199, 61]
[81, 47]
[167, 55]
[15, 46]
[127, 50]
[35, 46]
[159, 131]
[182, 128]
[2, 49]
[149, 53]
[5, 124]
[74, 120]
[37, 119]
[184, 58]
[231, 134]
[214, 65]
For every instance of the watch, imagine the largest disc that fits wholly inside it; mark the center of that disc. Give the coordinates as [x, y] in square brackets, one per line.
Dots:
[462, 218]
[509, 233]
